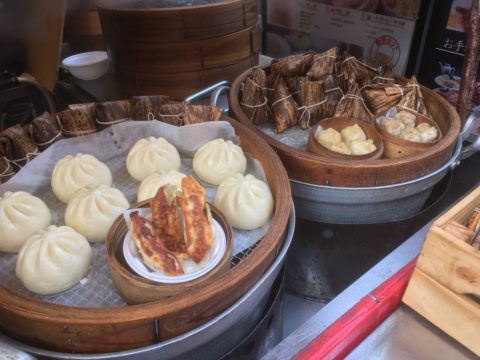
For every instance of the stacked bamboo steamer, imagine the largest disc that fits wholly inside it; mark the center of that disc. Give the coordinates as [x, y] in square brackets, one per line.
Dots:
[179, 47]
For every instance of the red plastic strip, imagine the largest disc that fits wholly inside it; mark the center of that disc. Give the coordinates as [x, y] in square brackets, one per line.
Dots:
[356, 324]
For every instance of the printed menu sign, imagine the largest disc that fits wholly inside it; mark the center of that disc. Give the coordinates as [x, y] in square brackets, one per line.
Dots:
[362, 29]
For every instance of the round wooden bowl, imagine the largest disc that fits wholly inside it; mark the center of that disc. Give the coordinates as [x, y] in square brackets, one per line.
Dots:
[396, 147]
[338, 124]
[312, 169]
[136, 289]
[157, 21]
[112, 329]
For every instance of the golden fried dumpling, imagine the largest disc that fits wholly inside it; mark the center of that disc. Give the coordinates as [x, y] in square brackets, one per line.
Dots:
[411, 134]
[427, 132]
[362, 147]
[341, 148]
[328, 137]
[393, 126]
[352, 133]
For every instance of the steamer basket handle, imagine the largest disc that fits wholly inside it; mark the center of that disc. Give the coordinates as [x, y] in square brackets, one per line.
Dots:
[207, 91]
[468, 128]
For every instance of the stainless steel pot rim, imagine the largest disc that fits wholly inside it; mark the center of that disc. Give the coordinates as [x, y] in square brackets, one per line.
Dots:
[451, 163]
[124, 354]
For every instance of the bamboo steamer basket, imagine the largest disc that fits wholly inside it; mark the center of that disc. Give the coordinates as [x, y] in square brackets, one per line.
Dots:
[396, 147]
[153, 44]
[137, 290]
[312, 169]
[338, 124]
[135, 82]
[112, 329]
[168, 21]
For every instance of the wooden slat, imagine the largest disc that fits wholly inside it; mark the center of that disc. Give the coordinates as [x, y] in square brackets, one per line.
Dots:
[451, 262]
[458, 316]
[44, 21]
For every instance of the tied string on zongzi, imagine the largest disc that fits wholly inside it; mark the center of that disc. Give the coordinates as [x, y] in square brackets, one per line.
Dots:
[255, 102]
[311, 100]
[17, 146]
[6, 169]
[352, 105]
[284, 108]
[306, 114]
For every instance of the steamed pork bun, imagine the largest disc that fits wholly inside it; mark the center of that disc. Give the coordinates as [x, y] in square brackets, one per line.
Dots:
[53, 260]
[92, 211]
[217, 160]
[152, 155]
[21, 215]
[75, 172]
[149, 187]
[246, 201]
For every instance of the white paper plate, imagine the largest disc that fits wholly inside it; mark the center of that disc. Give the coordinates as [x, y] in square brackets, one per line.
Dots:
[191, 269]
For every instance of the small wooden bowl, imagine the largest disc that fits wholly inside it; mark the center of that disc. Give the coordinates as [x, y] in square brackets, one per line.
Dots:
[396, 147]
[136, 289]
[338, 124]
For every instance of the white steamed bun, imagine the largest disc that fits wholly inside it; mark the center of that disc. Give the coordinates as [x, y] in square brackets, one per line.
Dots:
[21, 215]
[217, 160]
[246, 201]
[152, 155]
[75, 172]
[149, 187]
[53, 260]
[92, 211]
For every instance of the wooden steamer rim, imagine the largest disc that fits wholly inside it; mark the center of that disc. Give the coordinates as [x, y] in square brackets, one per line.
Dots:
[176, 24]
[92, 330]
[311, 169]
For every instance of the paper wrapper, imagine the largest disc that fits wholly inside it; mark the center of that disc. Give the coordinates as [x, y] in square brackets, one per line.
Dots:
[146, 107]
[312, 100]
[45, 130]
[255, 97]
[78, 120]
[111, 146]
[352, 106]
[385, 76]
[284, 108]
[413, 98]
[356, 72]
[323, 64]
[381, 98]
[111, 112]
[294, 65]
[195, 114]
[333, 94]
[17, 146]
[171, 113]
[254, 102]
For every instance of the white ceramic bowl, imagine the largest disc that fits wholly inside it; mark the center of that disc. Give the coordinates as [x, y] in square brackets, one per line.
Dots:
[88, 65]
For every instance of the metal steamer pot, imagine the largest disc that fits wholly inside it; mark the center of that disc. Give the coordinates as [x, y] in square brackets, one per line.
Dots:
[363, 205]
[205, 342]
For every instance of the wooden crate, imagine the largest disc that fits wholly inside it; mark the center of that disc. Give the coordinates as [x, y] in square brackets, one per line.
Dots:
[447, 271]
